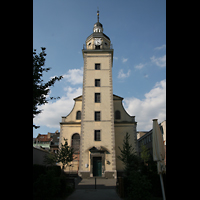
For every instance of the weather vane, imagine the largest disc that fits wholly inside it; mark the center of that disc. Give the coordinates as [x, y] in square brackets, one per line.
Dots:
[97, 14]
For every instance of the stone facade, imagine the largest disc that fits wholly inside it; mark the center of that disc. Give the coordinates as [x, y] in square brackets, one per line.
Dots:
[98, 122]
[70, 125]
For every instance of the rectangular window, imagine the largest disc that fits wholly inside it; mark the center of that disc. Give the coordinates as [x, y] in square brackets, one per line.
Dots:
[97, 135]
[97, 83]
[97, 116]
[97, 66]
[97, 97]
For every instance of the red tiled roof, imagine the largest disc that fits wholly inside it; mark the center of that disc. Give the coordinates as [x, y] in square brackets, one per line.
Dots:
[43, 138]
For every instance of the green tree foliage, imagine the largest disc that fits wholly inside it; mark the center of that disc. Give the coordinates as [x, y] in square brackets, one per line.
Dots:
[64, 155]
[128, 157]
[145, 154]
[136, 184]
[41, 89]
[139, 187]
[47, 186]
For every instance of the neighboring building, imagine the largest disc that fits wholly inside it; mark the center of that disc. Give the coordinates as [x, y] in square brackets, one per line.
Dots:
[146, 139]
[49, 141]
[98, 122]
[43, 141]
[54, 144]
[140, 134]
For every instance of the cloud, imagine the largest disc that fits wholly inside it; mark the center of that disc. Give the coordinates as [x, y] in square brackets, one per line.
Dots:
[152, 106]
[74, 76]
[161, 61]
[140, 66]
[122, 75]
[124, 60]
[115, 58]
[161, 47]
[52, 112]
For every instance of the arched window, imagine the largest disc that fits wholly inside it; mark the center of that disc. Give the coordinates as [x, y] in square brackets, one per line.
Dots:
[78, 115]
[117, 114]
[76, 142]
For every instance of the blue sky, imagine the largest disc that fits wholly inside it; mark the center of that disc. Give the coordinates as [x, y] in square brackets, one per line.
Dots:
[137, 30]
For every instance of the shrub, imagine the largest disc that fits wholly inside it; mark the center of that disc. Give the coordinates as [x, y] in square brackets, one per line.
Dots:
[49, 184]
[139, 186]
[56, 169]
[38, 170]
[46, 186]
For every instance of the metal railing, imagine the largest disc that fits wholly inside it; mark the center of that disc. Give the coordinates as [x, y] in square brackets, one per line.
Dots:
[95, 47]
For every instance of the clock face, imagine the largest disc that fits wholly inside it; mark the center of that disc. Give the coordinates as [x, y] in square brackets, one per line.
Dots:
[97, 41]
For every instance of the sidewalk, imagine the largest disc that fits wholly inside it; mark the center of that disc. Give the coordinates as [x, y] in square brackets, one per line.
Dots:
[85, 189]
[101, 183]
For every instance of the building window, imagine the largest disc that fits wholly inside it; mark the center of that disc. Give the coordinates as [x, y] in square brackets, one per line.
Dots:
[97, 116]
[76, 142]
[97, 66]
[117, 114]
[97, 97]
[78, 115]
[97, 46]
[97, 83]
[97, 135]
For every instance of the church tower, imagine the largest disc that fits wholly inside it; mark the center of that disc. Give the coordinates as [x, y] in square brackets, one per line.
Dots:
[97, 142]
[98, 122]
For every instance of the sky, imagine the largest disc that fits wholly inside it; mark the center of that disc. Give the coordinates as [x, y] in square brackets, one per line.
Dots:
[137, 30]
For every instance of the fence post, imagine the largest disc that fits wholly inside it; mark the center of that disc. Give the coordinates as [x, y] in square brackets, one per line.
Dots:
[95, 182]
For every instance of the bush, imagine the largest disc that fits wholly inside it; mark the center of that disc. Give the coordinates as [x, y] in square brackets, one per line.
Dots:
[56, 169]
[38, 170]
[46, 186]
[138, 187]
[151, 173]
[140, 174]
[49, 184]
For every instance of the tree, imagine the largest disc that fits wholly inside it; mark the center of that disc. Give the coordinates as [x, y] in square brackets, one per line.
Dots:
[145, 154]
[126, 151]
[65, 154]
[136, 184]
[41, 89]
[128, 157]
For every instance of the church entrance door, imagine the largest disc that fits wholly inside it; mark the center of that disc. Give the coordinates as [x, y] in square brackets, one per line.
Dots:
[97, 166]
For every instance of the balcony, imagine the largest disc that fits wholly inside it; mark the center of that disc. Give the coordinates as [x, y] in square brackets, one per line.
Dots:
[99, 47]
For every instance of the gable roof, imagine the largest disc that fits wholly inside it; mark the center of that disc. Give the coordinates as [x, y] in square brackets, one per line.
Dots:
[79, 98]
[43, 138]
[115, 97]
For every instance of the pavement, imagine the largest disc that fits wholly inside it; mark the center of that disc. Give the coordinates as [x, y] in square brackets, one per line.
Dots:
[85, 189]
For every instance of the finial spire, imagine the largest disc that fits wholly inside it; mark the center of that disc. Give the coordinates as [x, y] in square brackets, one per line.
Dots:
[97, 14]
